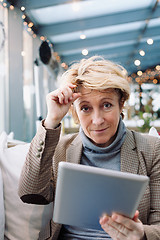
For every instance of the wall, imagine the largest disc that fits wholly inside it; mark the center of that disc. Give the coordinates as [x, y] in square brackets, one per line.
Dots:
[15, 85]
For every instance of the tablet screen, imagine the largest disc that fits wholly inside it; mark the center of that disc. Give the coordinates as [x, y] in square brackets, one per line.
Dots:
[84, 193]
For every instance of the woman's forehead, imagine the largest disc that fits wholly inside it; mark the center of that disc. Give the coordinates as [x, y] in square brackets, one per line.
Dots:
[87, 90]
[96, 95]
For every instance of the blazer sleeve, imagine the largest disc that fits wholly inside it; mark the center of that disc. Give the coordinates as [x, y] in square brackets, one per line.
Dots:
[152, 230]
[36, 180]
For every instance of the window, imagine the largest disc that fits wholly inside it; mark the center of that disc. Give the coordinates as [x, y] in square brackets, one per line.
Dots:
[3, 69]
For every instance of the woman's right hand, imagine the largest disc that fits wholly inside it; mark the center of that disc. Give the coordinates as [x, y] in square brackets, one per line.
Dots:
[58, 104]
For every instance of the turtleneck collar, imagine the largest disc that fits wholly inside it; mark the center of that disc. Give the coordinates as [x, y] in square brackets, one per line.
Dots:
[103, 157]
[114, 146]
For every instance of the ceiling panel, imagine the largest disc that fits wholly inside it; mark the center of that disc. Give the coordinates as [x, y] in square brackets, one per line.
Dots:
[115, 29]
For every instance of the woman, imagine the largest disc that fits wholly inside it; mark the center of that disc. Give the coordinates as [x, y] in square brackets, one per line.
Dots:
[95, 91]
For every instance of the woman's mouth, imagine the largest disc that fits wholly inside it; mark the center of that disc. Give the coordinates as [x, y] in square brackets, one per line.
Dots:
[99, 130]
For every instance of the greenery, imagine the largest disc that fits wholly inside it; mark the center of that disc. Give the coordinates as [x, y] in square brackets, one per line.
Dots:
[147, 118]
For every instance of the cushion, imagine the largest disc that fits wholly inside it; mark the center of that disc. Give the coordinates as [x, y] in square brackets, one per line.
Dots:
[153, 132]
[2, 218]
[22, 221]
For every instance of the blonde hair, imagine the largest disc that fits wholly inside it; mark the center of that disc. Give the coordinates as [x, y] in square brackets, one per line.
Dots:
[98, 73]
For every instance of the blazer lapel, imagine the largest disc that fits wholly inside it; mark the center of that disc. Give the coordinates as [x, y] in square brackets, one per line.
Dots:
[74, 151]
[129, 157]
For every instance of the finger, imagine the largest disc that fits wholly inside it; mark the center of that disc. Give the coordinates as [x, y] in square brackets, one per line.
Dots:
[75, 96]
[127, 222]
[70, 95]
[112, 228]
[119, 228]
[52, 96]
[114, 233]
[104, 219]
[67, 93]
[63, 95]
[71, 85]
[136, 215]
[60, 96]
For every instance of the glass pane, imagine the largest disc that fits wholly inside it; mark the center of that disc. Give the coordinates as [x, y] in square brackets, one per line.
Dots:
[3, 69]
[28, 87]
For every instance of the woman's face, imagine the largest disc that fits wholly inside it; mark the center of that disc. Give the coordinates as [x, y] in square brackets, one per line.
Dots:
[99, 114]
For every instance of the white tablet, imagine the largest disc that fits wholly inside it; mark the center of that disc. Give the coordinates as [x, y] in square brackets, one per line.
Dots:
[84, 193]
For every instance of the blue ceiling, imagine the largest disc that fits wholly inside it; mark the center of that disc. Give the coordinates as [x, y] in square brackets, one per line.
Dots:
[118, 30]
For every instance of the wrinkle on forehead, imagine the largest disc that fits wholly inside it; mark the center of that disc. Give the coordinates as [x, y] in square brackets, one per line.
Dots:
[96, 94]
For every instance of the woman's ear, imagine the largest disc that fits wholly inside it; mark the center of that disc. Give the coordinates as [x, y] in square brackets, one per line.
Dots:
[121, 105]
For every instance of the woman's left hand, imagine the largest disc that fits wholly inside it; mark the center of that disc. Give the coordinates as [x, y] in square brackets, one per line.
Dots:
[122, 228]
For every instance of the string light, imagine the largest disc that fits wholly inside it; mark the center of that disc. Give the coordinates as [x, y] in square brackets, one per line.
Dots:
[29, 29]
[22, 8]
[32, 30]
[158, 67]
[137, 62]
[150, 41]
[150, 75]
[58, 59]
[63, 64]
[23, 16]
[42, 38]
[155, 81]
[139, 73]
[11, 7]
[82, 36]
[142, 53]
[85, 52]
[30, 24]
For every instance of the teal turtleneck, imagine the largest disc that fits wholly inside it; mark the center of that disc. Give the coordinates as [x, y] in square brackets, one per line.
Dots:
[103, 157]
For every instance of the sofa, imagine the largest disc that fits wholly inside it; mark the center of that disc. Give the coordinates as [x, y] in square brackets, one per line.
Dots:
[18, 220]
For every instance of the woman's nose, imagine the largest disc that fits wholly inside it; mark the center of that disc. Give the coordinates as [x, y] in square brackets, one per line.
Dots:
[97, 118]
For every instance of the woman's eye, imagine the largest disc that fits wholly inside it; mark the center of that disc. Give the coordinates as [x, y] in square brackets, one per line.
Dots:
[85, 108]
[107, 105]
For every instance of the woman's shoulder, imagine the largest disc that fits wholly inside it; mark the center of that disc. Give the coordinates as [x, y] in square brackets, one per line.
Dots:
[143, 139]
[67, 139]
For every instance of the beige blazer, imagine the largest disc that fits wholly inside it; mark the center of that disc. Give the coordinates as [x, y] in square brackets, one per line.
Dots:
[140, 154]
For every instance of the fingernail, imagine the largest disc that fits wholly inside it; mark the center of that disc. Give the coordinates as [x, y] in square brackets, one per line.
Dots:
[114, 216]
[105, 217]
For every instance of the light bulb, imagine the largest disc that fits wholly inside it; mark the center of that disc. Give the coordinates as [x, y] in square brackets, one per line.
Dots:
[85, 52]
[137, 62]
[150, 41]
